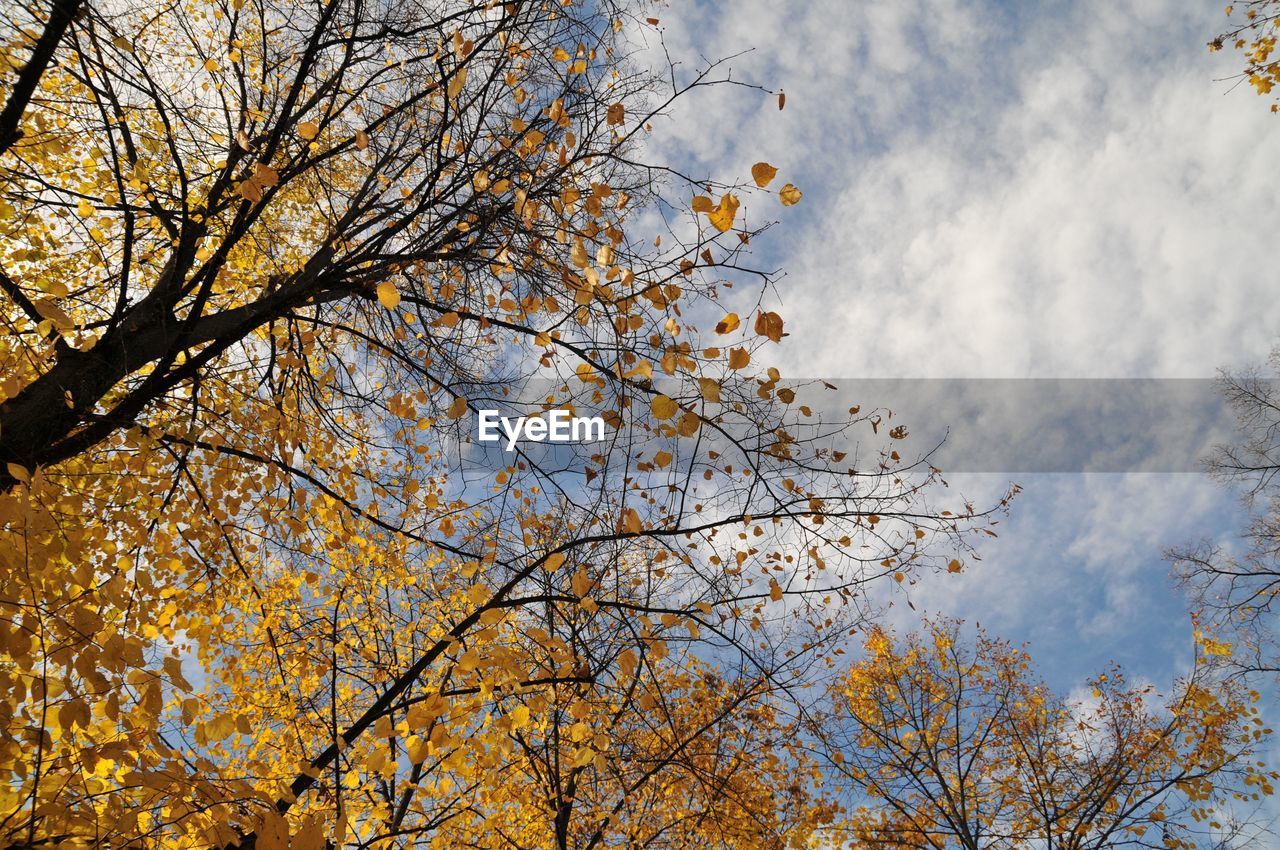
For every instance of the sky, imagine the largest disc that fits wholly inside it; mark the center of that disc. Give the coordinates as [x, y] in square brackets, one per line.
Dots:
[1008, 191]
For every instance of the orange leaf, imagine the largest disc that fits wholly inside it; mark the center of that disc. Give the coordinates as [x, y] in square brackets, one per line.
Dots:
[770, 325]
[763, 173]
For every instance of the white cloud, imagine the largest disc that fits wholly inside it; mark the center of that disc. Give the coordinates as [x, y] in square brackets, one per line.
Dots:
[1078, 570]
[1065, 195]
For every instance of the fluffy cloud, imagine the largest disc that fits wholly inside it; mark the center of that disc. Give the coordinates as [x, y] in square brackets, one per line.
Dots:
[1061, 191]
[1058, 190]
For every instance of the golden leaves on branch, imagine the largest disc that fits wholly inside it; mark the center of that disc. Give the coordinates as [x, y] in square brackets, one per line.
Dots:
[720, 215]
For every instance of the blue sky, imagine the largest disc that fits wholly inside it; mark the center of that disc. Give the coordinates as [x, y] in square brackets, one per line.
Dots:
[1011, 190]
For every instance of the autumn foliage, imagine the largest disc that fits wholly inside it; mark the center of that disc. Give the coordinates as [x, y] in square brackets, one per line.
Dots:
[1255, 26]
[938, 740]
[261, 264]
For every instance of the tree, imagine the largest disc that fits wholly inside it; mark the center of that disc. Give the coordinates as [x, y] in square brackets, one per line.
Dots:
[262, 265]
[1234, 594]
[939, 745]
[1255, 36]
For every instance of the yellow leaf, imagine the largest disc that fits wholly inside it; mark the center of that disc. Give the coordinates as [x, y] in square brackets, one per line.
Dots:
[662, 459]
[211, 65]
[311, 835]
[455, 85]
[417, 749]
[560, 54]
[18, 472]
[728, 324]
[388, 296]
[789, 195]
[703, 204]
[775, 590]
[955, 566]
[362, 140]
[738, 358]
[710, 388]
[308, 130]
[554, 561]
[84, 209]
[519, 716]
[631, 521]
[478, 594]
[458, 408]
[763, 173]
[663, 407]
[273, 832]
[616, 113]
[722, 217]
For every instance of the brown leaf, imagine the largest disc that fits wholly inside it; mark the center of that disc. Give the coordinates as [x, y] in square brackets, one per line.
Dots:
[769, 325]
